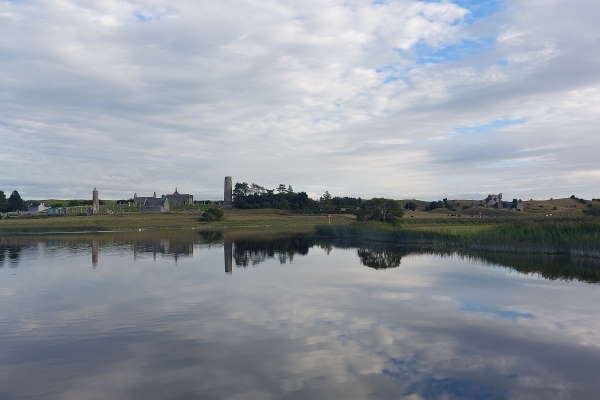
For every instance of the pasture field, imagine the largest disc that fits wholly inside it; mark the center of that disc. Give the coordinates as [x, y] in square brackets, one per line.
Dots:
[264, 219]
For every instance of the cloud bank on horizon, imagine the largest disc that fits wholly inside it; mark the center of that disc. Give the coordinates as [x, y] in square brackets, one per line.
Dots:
[396, 98]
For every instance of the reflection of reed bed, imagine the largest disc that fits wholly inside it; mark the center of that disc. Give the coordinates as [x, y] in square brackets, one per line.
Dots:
[548, 266]
[580, 238]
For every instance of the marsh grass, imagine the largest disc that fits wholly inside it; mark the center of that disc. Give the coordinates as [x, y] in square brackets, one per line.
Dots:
[577, 237]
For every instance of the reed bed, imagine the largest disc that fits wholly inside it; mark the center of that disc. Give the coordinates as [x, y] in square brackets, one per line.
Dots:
[576, 237]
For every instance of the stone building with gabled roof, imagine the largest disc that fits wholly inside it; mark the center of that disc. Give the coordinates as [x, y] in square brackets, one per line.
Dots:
[179, 199]
[152, 204]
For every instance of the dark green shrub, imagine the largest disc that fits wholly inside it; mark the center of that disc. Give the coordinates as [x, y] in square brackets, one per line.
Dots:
[380, 209]
[593, 211]
[212, 214]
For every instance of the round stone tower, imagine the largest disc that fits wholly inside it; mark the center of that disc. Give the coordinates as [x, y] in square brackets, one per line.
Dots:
[228, 196]
[95, 202]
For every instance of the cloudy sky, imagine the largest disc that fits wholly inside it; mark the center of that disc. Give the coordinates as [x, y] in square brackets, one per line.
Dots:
[397, 98]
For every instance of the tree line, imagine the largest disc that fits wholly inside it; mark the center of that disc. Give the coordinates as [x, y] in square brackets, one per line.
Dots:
[283, 197]
[13, 203]
[247, 196]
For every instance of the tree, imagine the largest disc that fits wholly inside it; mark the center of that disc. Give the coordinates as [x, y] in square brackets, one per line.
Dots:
[15, 202]
[257, 189]
[212, 214]
[240, 194]
[289, 189]
[380, 209]
[255, 196]
[281, 188]
[434, 205]
[3, 202]
[411, 206]
[241, 189]
[325, 201]
[448, 205]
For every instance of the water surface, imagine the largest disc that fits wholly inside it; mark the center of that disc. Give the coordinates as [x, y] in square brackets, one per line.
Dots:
[179, 315]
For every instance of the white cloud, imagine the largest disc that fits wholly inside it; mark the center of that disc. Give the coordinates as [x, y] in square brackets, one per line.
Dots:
[137, 96]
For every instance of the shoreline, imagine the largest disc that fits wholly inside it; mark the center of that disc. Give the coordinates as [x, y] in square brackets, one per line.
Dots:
[576, 239]
[272, 220]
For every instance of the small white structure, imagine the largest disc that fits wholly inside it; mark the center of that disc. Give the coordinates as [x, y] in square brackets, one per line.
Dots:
[37, 208]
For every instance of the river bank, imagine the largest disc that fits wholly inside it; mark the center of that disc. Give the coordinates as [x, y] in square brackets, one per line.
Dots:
[264, 219]
[580, 237]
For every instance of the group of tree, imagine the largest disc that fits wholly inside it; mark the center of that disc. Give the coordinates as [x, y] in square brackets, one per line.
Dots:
[410, 206]
[13, 203]
[444, 203]
[329, 204]
[283, 197]
[582, 201]
[212, 214]
[380, 209]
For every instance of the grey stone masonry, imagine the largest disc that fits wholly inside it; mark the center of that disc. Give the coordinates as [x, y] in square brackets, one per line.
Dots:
[95, 202]
[228, 196]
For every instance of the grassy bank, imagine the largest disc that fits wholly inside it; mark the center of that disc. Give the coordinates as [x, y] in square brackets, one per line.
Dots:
[265, 219]
[577, 237]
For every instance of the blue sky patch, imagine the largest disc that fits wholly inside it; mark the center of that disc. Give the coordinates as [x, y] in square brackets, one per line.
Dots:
[478, 9]
[501, 123]
[385, 68]
[393, 73]
[481, 308]
[454, 52]
[145, 17]
[502, 63]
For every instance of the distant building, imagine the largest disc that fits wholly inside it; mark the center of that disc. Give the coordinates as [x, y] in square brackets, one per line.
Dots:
[56, 211]
[493, 201]
[179, 200]
[152, 204]
[37, 208]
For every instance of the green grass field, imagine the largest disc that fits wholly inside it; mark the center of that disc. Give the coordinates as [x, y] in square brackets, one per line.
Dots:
[265, 219]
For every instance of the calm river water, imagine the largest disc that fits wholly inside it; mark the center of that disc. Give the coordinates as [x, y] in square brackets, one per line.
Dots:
[182, 315]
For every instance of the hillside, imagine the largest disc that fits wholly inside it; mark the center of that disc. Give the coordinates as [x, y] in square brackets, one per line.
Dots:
[566, 207]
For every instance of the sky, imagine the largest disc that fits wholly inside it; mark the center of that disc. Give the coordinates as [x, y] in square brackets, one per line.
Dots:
[394, 98]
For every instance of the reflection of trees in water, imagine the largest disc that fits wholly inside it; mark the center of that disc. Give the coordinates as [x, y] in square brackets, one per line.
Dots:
[245, 252]
[210, 237]
[382, 258]
[252, 252]
[10, 251]
[10, 254]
